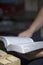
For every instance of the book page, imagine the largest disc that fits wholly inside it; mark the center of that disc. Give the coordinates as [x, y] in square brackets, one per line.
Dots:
[20, 44]
[7, 40]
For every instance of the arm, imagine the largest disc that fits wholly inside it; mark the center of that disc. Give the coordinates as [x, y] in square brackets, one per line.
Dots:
[33, 55]
[36, 54]
[37, 24]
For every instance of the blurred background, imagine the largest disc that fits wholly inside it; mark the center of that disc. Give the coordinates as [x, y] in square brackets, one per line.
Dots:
[17, 16]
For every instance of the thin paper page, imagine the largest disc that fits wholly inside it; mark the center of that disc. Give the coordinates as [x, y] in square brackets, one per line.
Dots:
[20, 44]
[7, 40]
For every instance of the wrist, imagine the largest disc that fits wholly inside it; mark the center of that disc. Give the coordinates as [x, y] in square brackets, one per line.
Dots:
[31, 30]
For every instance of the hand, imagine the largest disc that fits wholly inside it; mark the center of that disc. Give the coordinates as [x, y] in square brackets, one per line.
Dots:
[40, 54]
[26, 33]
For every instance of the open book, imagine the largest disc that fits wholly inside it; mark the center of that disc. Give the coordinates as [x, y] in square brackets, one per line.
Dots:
[20, 44]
